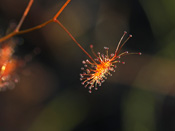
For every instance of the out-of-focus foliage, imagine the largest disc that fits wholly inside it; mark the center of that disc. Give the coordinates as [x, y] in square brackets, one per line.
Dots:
[49, 96]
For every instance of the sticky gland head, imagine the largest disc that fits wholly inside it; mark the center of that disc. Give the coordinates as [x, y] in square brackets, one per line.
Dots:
[95, 73]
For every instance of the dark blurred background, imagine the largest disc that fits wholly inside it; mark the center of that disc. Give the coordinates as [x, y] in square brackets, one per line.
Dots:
[140, 96]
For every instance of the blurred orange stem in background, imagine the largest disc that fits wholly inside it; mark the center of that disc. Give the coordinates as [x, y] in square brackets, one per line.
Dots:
[17, 32]
[8, 64]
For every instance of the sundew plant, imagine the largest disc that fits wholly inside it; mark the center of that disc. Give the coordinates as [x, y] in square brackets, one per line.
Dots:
[94, 73]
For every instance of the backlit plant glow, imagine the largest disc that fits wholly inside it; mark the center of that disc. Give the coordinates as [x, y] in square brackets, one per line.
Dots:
[96, 71]
[8, 64]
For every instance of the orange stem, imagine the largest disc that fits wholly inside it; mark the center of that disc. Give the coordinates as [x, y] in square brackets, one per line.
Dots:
[62, 8]
[17, 32]
[24, 15]
[64, 28]
[34, 28]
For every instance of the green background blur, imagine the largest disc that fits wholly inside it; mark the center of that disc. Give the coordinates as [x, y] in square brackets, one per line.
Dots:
[49, 97]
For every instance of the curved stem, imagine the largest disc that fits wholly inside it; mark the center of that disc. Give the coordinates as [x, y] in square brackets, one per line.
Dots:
[120, 42]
